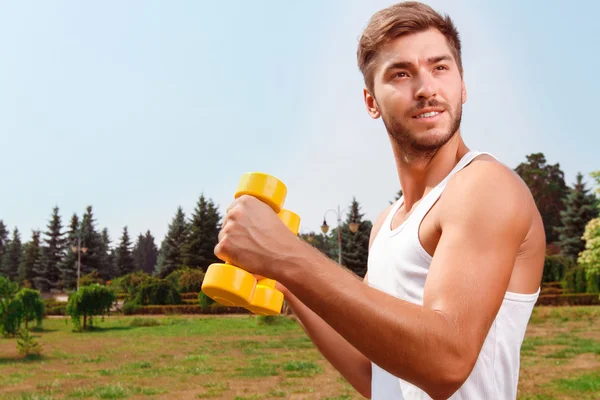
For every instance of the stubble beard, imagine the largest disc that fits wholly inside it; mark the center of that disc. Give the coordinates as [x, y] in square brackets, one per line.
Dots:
[415, 148]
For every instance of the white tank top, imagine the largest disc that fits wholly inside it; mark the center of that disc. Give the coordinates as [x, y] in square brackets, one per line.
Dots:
[398, 265]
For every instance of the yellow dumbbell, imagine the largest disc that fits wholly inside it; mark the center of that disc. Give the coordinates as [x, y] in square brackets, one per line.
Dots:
[266, 299]
[231, 285]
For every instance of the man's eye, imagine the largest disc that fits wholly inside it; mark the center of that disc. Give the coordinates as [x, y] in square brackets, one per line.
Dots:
[441, 67]
[400, 75]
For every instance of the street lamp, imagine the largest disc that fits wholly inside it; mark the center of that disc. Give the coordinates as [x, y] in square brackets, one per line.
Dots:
[79, 250]
[325, 228]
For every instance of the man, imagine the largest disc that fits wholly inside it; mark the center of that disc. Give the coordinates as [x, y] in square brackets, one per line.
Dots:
[454, 265]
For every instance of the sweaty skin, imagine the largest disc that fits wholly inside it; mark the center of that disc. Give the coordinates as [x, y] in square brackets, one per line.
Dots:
[485, 235]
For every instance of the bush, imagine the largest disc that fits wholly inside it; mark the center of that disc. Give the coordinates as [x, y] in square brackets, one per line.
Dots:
[11, 308]
[27, 345]
[33, 306]
[129, 308]
[555, 268]
[575, 281]
[191, 280]
[131, 283]
[155, 291]
[89, 301]
[578, 299]
[204, 300]
[90, 279]
[189, 309]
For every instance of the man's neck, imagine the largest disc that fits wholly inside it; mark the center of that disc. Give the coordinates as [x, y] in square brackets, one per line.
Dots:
[419, 175]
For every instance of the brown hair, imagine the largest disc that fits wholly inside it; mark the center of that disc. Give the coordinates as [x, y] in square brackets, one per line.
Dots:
[398, 20]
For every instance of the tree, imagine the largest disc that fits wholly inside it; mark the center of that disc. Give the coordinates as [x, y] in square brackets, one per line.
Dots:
[91, 239]
[397, 197]
[590, 257]
[581, 207]
[3, 238]
[12, 257]
[31, 256]
[33, 306]
[11, 308]
[355, 246]
[145, 253]
[108, 267]
[321, 242]
[596, 176]
[547, 185]
[204, 227]
[124, 259]
[89, 301]
[68, 265]
[47, 273]
[170, 257]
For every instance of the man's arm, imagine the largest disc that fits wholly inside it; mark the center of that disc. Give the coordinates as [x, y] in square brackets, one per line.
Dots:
[351, 363]
[485, 215]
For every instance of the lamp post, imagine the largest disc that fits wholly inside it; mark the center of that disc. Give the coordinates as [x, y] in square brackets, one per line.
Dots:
[79, 250]
[325, 228]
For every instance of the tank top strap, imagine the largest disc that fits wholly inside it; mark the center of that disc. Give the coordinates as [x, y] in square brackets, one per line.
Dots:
[432, 197]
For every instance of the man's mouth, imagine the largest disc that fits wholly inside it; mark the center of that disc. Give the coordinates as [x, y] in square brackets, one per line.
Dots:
[428, 114]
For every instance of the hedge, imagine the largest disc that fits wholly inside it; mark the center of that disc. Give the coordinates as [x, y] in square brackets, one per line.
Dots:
[189, 309]
[190, 296]
[579, 299]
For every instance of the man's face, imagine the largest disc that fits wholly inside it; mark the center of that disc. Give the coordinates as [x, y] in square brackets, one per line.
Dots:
[418, 92]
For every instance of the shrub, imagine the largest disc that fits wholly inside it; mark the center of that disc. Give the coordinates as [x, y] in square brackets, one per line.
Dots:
[89, 301]
[190, 309]
[191, 280]
[33, 306]
[204, 300]
[555, 268]
[11, 308]
[27, 345]
[575, 281]
[129, 308]
[155, 291]
[90, 279]
[578, 299]
[131, 283]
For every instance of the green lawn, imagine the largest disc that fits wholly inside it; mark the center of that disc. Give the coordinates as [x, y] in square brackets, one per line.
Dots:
[239, 357]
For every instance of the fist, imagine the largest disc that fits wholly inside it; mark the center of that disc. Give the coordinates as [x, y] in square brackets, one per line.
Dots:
[254, 238]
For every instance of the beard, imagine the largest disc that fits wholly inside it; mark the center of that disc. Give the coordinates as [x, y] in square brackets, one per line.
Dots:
[422, 147]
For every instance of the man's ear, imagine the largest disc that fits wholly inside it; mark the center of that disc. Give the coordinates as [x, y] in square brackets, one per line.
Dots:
[371, 104]
[464, 92]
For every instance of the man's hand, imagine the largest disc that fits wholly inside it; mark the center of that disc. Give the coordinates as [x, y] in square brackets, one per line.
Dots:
[254, 238]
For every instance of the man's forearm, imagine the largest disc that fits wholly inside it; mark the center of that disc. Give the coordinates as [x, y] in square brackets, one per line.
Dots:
[353, 365]
[414, 343]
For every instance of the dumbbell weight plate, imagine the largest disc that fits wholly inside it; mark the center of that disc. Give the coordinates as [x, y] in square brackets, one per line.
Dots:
[229, 285]
[264, 187]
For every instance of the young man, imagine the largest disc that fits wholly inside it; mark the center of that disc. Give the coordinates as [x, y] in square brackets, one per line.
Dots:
[454, 266]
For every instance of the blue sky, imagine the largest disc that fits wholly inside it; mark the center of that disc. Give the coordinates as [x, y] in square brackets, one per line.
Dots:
[139, 107]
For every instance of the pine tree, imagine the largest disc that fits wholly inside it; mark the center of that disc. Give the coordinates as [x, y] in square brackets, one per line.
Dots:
[581, 207]
[145, 253]
[355, 246]
[31, 255]
[92, 240]
[47, 273]
[170, 257]
[68, 265]
[547, 185]
[124, 260]
[3, 238]
[198, 251]
[108, 269]
[12, 257]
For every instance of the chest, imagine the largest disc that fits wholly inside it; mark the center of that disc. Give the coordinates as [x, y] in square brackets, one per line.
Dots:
[429, 229]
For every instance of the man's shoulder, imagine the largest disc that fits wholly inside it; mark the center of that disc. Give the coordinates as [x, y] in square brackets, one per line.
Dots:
[486, 173]
[488, 188]
[379, 223]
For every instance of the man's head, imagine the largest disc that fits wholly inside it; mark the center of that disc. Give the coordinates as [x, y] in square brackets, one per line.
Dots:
[410, 57]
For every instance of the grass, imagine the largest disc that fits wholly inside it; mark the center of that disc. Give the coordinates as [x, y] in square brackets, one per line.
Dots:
[247, 357]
